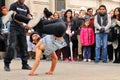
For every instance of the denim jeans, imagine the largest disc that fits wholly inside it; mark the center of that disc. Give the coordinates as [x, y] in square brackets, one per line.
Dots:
[87, 52]
[101, 39]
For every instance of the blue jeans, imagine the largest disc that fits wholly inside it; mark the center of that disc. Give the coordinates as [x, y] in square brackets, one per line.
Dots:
[101, 38]
[87, 52]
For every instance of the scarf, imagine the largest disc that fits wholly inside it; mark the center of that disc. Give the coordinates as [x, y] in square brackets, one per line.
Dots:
[104, 18]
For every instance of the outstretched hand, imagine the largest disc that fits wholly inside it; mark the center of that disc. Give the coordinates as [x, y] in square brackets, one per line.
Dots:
[49, 73]
[32, 74]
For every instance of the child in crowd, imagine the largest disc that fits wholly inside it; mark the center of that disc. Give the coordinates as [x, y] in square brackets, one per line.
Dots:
[4, 29]
[87, 39]
[30, 46]
[4, 11]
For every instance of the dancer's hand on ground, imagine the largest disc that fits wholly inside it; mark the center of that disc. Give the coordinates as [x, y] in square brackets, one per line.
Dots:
[49, 73]
[32, 74]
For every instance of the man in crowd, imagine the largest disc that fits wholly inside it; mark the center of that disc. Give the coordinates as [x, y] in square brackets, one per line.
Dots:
[102, 23]
[17, 37]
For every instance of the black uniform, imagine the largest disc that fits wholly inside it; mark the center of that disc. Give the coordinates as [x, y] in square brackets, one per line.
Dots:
[17, 37]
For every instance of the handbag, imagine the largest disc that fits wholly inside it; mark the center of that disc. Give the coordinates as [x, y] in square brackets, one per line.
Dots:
[112, 35]
[2, 37]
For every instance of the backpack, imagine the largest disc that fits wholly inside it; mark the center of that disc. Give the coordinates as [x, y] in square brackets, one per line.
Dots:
[0, 24]
[112, 35]
[2, 37]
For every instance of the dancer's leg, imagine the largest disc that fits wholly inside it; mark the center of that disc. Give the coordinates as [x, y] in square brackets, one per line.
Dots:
[55, 26]
[12, 15]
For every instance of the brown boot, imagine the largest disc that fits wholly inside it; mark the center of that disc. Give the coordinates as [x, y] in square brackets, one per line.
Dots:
[75, 53]
[80, 57]
[33, 55]
[30, 54]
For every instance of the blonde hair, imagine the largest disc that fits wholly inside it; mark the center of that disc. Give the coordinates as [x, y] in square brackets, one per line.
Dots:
[57, 14]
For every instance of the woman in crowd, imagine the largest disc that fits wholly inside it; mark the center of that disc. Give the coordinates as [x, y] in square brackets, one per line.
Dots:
[78, 24]
[68, 19]
[116, 25]
[56, 15]
[110, 46]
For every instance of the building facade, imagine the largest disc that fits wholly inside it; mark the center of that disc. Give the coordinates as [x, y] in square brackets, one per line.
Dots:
[37, 6]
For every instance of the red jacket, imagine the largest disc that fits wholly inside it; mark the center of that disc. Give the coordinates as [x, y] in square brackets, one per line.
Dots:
[87, 36]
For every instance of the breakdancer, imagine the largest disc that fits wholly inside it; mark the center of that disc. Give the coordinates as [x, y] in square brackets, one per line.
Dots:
[47, 46]
[56, 28]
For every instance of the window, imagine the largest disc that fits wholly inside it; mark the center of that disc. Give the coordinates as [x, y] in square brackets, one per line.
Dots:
[2, 2]
[116, 0]
[59, 4]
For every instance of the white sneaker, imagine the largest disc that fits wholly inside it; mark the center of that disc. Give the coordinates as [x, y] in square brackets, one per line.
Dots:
[84, 60]
[89, 60]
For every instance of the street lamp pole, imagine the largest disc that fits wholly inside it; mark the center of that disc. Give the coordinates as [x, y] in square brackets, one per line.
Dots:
[100, 2]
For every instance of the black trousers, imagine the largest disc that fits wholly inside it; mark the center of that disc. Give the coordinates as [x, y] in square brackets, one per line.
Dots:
[17, 39]
[110, 52]
[117, 51]
[54, 27]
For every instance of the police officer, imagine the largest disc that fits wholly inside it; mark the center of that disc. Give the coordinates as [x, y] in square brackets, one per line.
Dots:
[17, 37]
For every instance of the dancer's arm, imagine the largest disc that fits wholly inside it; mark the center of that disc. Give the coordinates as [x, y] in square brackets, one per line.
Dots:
[38, 49]
[53, 64]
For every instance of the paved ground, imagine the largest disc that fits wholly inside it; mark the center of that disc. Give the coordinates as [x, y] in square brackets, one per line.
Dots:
[64, 71]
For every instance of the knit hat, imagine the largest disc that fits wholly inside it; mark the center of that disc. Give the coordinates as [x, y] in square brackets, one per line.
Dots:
[76, 12]
[62, 10]
[83, 8]
[3, 7]
[47, 13]
[31, 40]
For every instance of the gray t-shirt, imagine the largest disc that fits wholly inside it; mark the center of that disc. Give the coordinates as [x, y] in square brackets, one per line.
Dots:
[51, 44]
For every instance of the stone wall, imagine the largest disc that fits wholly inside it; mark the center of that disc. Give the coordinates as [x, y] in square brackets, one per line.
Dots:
[76, 4]
[37, 6]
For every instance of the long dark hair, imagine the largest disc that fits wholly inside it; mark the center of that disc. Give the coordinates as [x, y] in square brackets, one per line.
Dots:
[65, 15]
[114, 16]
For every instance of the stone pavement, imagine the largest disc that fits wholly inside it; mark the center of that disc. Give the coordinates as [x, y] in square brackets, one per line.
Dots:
[64, 71]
